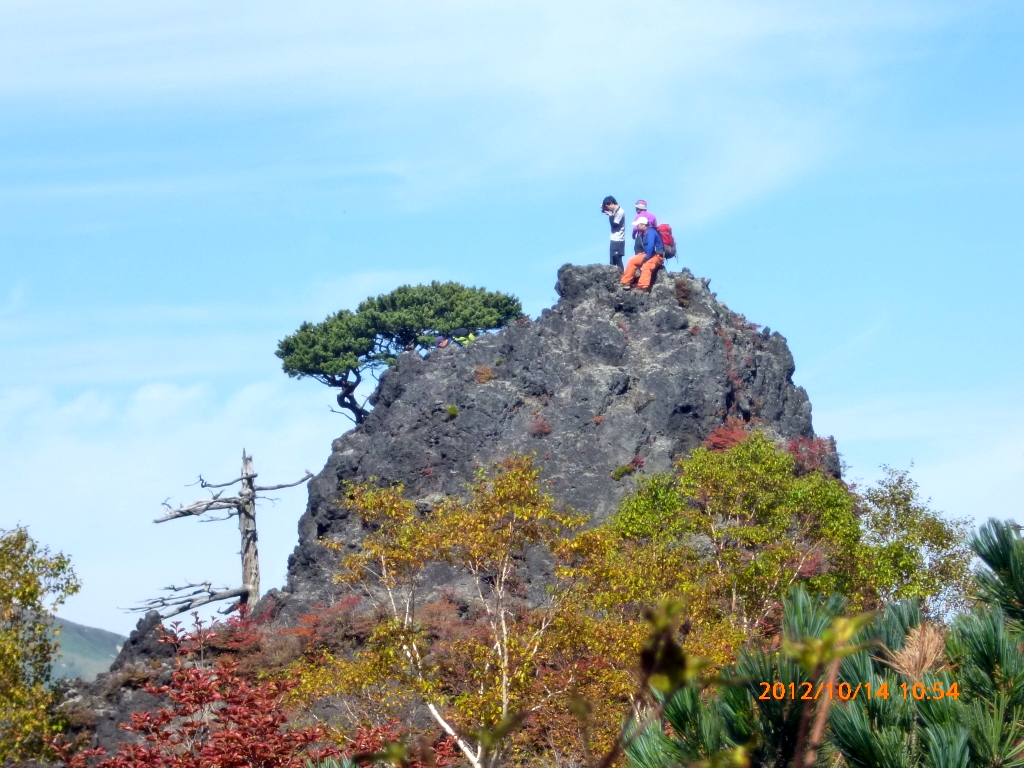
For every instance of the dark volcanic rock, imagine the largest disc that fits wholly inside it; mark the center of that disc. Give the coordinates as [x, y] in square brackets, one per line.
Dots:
[603, 376]
[143, 642]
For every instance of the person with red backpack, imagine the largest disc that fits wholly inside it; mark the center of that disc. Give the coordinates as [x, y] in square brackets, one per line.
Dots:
[650, 254]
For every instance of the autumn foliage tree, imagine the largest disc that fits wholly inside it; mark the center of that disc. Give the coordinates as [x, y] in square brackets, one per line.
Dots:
[731, 532]
[480, 677]
[33, 583]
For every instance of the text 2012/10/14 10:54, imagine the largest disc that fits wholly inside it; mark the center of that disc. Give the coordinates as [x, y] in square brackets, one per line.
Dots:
[847, 692]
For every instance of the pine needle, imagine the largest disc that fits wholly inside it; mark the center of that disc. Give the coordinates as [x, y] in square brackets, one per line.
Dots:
[922, 651]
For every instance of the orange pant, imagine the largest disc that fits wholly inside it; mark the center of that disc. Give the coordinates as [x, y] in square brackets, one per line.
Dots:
[646, 270]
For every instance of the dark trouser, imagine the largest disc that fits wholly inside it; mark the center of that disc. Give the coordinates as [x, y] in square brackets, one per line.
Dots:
[670, 251]
[618, 250]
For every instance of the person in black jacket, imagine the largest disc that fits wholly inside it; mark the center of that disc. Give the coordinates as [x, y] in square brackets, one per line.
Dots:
[617, 218]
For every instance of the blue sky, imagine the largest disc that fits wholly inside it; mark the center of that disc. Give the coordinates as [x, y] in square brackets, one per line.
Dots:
[182, 184]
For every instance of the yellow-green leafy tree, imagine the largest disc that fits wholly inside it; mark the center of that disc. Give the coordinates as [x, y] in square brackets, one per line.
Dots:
[909, 550]
[730, 532]
[763, 528]
[33, 583]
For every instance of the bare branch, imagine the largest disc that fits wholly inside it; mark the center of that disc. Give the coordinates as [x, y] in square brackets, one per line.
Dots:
[282, 485]
[216, 503]
[219, 519]
[346, 414]
[180, 600]
[201, 507]
[204, 484]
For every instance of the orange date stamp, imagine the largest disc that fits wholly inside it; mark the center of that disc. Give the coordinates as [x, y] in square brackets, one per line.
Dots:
[848, 692]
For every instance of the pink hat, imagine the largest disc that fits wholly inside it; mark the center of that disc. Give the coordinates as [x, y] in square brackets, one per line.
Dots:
[641, 204]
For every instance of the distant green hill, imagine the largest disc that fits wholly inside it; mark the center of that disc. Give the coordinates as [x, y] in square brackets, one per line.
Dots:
[85, 651]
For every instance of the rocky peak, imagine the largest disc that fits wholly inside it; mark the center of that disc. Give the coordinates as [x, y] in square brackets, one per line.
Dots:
[604, 378]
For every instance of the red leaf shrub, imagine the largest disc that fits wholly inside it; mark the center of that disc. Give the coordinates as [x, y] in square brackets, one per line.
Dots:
[728, 342]
[214, 719]
[810, 455]
[369, 740]
[539, 426]
[726, 436]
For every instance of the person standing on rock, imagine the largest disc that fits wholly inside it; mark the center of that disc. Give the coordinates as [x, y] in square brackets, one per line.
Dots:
[641, 210]
[648, 257]
[617, 218]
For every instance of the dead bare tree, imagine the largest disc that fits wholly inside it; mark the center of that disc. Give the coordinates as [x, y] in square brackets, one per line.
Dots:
[243, 506]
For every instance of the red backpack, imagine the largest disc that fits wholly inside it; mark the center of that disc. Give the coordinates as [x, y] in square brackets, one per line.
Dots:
[665, 230]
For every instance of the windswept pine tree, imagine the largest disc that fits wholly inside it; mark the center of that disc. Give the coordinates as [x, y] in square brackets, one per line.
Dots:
[339, 350]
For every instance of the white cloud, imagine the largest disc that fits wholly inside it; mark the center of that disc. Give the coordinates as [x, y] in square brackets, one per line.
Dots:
[104, 415]
[131, 358]
[750, 160]
[465, 92]
[161, 407]
[979, 479]
[911, 416]
[120, 344]
[448, 48]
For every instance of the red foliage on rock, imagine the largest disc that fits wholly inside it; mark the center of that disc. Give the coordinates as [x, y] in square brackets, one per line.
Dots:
[539, 426]
[810, 455]
[726, 436]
